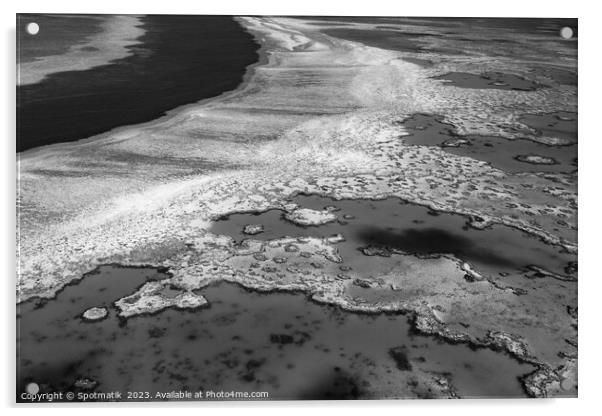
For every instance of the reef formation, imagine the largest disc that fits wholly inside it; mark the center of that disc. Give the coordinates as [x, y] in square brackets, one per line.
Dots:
[320, 115]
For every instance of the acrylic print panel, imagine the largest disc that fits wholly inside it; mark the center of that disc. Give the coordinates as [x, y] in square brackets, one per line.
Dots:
[295, 208]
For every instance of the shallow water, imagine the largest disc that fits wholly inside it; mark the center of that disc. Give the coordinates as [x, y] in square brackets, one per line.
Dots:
[244, 341]
[57, 34]
[386, 39]
[559, 124]
[560, 75]
[412, 228]
[514, 38]
[425, 63]
[494, 80]
[504, 154]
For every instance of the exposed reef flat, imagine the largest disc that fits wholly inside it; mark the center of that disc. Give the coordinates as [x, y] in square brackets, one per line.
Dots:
[320, 115]
[252, 229]
[94, 314]
[537, 159]
[150, 299]
[307, 216]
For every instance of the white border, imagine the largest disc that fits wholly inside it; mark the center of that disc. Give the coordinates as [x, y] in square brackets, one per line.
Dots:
[590, 200]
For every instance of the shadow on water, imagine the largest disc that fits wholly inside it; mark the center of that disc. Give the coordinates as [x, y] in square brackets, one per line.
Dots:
[413, 228]
[335, 385]
[280, 343]
[434, 241]
[37, 318]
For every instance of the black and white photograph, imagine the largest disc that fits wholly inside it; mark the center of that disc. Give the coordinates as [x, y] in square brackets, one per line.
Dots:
[295, 207]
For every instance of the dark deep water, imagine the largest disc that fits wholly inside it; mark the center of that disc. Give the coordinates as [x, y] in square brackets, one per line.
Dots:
[181, 60]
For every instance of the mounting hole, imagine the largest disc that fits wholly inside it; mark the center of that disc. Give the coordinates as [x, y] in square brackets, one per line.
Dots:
[566, 32]
[32, 28]
[32, 388]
